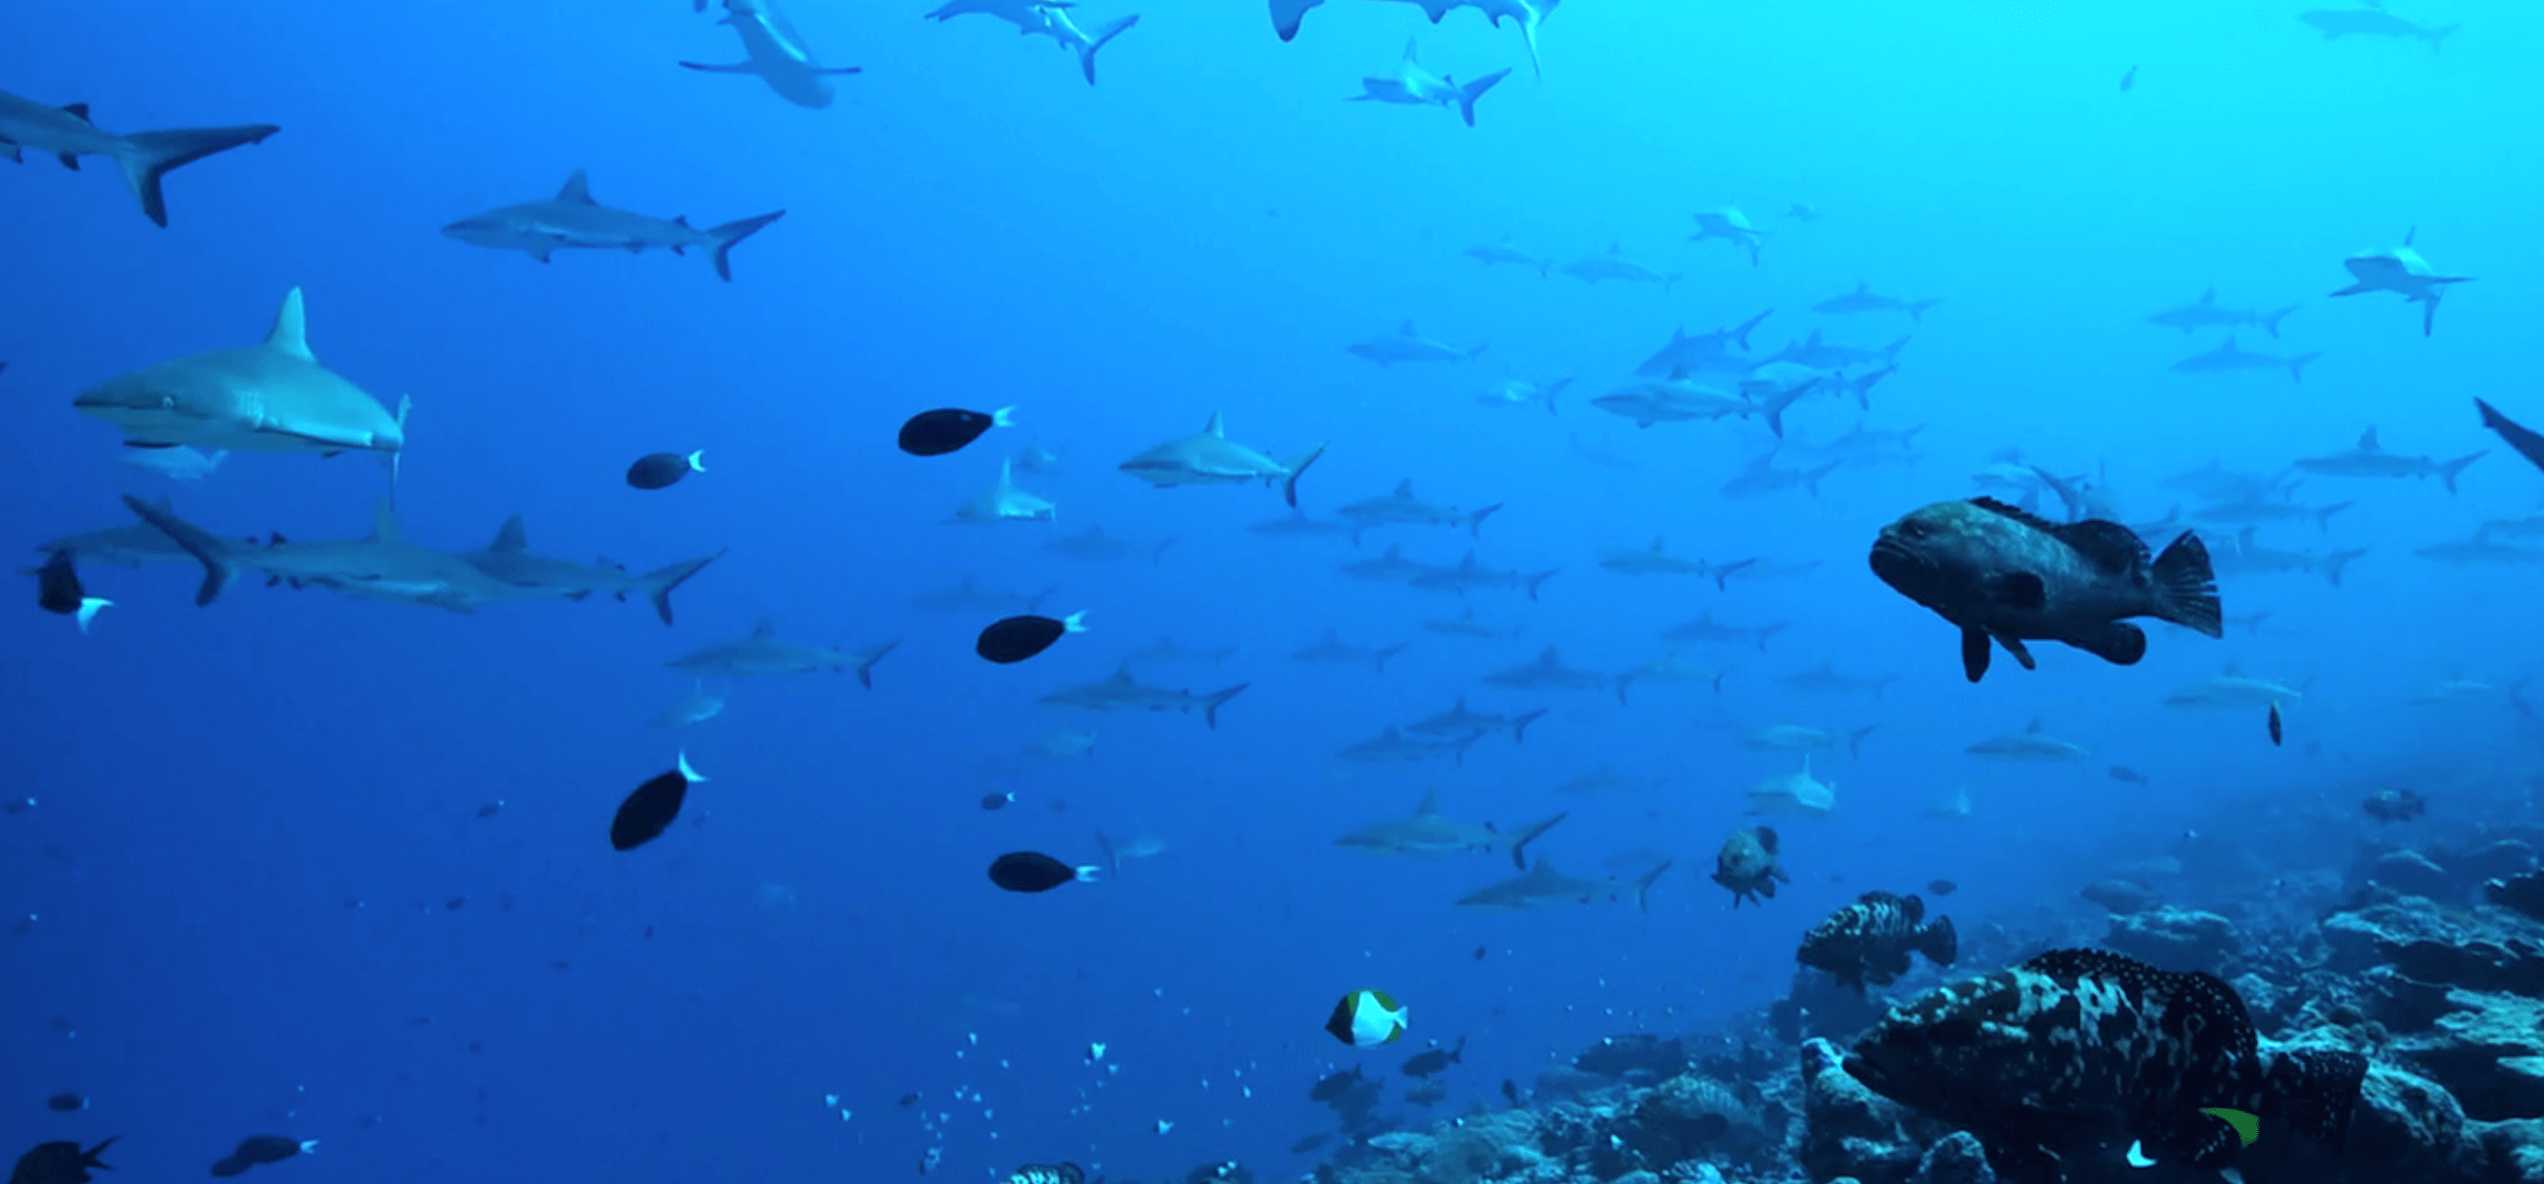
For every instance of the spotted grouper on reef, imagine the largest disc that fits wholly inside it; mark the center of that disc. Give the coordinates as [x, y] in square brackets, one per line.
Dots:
[2001, 572]
[2076, 1055]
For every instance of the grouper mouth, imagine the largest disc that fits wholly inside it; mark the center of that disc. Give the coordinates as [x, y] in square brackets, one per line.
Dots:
[1866, 1072]
[1893, 560]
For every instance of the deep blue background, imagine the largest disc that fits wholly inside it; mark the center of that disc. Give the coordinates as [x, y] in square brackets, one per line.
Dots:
[1205, 231]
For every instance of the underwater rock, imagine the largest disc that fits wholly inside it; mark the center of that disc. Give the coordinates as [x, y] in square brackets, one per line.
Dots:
[2413, 874]
[2498, 859]
[1689, 1117]
[2488, 1051]
[2523, 894]
[1848, 1130]
[2409, 1127]
[2421, 941]
[2176, 939]
[1956, 1158]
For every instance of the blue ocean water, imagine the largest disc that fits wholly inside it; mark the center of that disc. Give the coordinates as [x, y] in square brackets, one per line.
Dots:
[253, 819]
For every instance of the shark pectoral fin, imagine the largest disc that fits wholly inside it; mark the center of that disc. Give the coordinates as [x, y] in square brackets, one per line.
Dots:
[2119, 643]
[9, 152]
[2354, 290]
[743, 68]
[2014, 645]
[1974, 654]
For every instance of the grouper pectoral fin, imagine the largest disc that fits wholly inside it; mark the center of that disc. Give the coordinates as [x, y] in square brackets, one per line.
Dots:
[2119, 643]
[2018, 589]
[2014, 645]
[1974, 654]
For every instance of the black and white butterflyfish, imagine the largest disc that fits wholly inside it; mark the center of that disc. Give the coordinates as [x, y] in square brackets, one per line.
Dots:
[1366, 1019]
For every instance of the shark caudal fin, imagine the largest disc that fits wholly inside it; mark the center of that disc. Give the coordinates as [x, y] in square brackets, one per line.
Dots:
[211, 552]
[658, 584]
[146, 157]
[729, 236]
[2270, 320]
[2448, 472]
[1530, 834]
[866, 661]
[1643, 884]
[1289, 480]
[1519, 726]
[1102, 37]
[1469, 92]
[1211, 703]
[2186, 587]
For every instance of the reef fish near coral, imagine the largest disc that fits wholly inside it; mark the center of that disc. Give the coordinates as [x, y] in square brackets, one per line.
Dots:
[2077, 1051]
[1869, 941]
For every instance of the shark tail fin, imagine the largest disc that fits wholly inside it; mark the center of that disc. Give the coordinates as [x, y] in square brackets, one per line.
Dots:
[2297, 364]
[1210, 704]
[2270, 320]
[146, 157]
[2438, 37]
[1102, 38]
[1289, 482]
[1643, 884]
[659, 583]
[211, 552]
[866, 662]
[730, 235]
[1519, 727]
[1776, 405]
[1475, 521]
[2448, 472]
[1530, 834]
[1469, 92]
[1917, 309]
[1539, 581]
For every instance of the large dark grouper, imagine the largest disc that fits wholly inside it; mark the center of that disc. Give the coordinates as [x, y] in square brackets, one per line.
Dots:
[1998, 571]
[2076, 1054]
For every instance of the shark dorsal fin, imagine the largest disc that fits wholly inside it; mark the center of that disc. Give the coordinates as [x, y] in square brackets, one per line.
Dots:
[1460, 708]
[1409, 56]
[1215, 427]
[384, 524]
[766, 628]
[2208, 297]
[1657, 540]
[1406, 329]
[2033, 728]
[1678, 374]
[2367, 442]
[512, 537]
[1333, 636]
[291, 328]
[1430, 807]
[1815, 339]
[2233, 669]
[1122, 673]
[78, 111]
[1615, 249]
[1404, 488]
[1542, 869]
[577, 190]
[1550, 658]
[1395, 550]
[1863, 286]
[1468, 563]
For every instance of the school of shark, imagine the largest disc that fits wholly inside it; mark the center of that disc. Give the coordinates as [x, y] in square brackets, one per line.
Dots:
[1975, 568]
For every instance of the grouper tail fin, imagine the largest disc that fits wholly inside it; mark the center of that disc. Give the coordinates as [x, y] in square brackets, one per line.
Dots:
[2186, 587]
